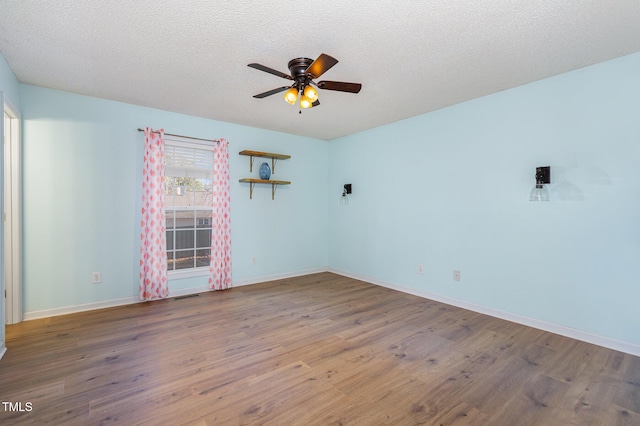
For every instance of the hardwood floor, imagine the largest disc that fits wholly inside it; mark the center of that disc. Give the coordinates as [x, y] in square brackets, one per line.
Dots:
[315, 350]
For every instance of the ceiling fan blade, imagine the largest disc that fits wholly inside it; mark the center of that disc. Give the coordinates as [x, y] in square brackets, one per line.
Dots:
[271, 92]
[321, 65]
[315, 103]
[340, 86]
[270, 71]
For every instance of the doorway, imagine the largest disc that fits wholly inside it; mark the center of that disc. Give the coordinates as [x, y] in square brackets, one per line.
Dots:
[12, 214]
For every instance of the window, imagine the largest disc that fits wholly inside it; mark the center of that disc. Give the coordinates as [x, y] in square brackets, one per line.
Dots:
[188, 203]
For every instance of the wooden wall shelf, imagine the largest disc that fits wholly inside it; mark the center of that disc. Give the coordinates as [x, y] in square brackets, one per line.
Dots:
[274, 157]
[272, 182]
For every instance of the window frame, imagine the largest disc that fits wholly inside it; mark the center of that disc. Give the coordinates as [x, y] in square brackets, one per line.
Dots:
[196, 271]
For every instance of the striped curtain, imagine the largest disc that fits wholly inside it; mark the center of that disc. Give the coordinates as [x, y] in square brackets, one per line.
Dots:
[220, 267]
[153, 244]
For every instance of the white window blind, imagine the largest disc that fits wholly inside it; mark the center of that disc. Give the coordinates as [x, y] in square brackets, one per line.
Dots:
[185, 161]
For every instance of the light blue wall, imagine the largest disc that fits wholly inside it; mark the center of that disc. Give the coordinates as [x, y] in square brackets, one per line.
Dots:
[82, 177]
[450, 189]
[9, 83]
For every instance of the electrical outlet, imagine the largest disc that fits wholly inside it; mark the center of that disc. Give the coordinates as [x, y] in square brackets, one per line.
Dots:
[456, 275]
[420, 268]
[96, 277]
[254, 260]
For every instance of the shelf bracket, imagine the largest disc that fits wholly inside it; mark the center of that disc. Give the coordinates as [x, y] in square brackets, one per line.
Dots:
[251, 157]
[273, 190]
[273, 183]
[273, 165]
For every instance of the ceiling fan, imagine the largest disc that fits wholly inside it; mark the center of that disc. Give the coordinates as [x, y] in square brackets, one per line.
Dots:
[303, 71]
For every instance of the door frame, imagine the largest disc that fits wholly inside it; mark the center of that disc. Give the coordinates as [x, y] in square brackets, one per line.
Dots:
[12, 207]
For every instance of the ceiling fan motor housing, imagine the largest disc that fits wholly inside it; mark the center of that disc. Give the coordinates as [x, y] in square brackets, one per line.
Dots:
[298, 68]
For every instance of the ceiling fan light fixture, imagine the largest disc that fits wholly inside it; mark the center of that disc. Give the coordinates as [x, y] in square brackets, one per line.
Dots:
[311, 93]
[291, 96]
[305, 102]
[302, 72]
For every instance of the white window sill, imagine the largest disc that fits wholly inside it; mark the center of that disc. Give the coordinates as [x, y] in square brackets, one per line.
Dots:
[188, 273]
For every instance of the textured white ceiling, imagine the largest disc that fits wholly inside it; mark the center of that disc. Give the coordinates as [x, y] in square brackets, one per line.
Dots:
[411, 56]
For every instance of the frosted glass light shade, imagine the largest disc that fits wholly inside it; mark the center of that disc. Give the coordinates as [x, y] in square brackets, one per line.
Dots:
[291, 96]
[311, 93]
[539, 193]
[305, 102]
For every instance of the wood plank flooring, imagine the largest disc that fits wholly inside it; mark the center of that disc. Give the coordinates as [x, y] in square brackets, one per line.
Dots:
[315, 350]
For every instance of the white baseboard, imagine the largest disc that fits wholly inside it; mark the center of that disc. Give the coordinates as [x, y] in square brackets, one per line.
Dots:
[45, 313]
[573, 333]
[3, 351]
[279, 276]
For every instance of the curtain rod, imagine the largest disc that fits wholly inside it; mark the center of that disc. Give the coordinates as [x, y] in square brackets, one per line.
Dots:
[188, 137]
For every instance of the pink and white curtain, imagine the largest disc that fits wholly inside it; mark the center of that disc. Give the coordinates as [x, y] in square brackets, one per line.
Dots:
[153, 244]
[220, 267]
